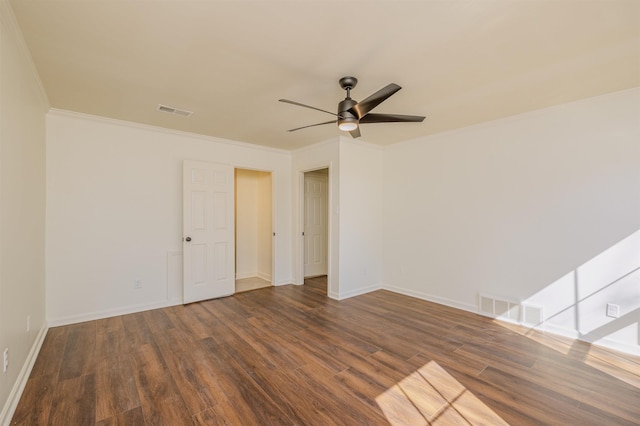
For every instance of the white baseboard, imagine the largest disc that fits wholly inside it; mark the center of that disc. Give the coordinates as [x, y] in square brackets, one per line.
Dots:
[431, 298]
[616, 346]
[264, 276]
[261, 275]
[16, 392]
[243, 275]
[604, 342]
[90, 316]
[355, 292]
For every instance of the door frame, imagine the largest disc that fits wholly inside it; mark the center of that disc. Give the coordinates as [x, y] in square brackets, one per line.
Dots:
[308, 230]
[274, 206]
[274, 232]
[299, 272]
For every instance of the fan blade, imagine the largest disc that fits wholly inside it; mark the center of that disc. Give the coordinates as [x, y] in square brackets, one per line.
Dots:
[306, 106]
[362, 108]
[355, 133]
[391, 118]
[312, 125]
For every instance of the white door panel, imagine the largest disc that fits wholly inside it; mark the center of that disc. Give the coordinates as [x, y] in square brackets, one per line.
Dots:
[208, 240]
[315, 225]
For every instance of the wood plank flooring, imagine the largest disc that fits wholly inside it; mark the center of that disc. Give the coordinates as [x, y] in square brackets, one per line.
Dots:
[291, 356]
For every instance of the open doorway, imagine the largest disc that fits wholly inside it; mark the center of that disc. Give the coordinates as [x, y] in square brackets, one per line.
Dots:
[253, 230]
[316, 227]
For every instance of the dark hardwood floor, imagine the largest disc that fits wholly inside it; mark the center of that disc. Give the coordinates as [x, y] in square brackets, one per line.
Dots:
[289, 355]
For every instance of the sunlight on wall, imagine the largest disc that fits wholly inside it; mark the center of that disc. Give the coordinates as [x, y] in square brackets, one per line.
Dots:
[576, 304]
[431, 396]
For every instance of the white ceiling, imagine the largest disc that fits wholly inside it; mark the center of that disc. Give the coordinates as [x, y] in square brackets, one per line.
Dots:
[459, 62]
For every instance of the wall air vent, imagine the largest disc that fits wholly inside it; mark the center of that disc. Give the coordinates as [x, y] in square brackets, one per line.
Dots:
[172, 110]
[506, 310]
[511, 311]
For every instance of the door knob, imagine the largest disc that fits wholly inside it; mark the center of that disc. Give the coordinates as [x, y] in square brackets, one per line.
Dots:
[187, 239]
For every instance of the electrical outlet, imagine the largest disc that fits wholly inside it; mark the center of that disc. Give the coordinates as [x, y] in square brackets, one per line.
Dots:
[137, 284]
[5, 360]
[613, 311]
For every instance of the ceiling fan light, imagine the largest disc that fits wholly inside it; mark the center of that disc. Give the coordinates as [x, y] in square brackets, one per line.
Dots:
[348, 124]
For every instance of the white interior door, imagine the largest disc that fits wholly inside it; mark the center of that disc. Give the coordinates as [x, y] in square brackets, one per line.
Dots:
[315, 224]
[208, 240]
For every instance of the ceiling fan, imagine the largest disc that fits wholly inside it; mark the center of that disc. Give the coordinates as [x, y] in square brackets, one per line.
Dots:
[352, 113]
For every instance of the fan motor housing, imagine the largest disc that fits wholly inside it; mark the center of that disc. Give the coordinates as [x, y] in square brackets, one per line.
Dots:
[345, 106]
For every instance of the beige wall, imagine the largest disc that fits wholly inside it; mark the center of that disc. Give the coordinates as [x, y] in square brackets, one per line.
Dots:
[253, 224]
[22, 209]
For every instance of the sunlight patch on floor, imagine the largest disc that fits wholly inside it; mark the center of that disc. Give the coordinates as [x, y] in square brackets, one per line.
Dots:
[623, 370]
[600, 358]
[557, 343]
[431, 396]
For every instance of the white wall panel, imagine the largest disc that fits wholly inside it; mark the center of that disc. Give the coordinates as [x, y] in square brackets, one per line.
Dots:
[539, 208]
[114, 211]
[361, 204]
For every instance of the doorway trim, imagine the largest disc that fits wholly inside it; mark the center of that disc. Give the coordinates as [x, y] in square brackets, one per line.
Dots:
[299, 270]
[274, 208]
[316, 223]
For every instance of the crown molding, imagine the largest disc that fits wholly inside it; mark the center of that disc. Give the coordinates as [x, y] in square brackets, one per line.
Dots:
[157, 129]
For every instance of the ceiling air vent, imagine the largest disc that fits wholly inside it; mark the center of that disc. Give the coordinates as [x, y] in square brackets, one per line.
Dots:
[172, 110]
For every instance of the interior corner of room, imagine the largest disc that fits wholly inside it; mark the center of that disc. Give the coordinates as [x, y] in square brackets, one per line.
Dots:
[530, 219]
